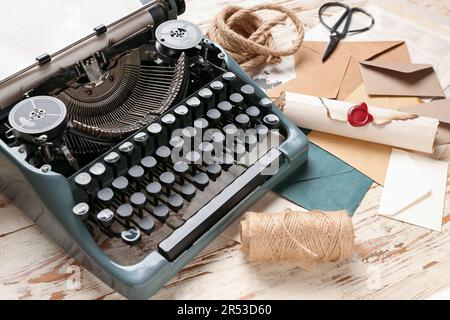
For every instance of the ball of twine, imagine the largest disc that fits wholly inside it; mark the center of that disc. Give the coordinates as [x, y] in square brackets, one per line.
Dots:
[248, 39]
[301, 238]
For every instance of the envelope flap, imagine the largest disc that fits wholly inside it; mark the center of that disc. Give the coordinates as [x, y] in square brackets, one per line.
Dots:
[398, 67]
[439, 109]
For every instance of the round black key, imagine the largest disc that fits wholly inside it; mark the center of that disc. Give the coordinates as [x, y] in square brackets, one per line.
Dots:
[262, 130]
[127, 150]
[225, 107]
[237, 100]
[239, 151]
[131, 236]
[154, 191]
[206, 149]
[214, 171]
[226, 161]
[136, 174]
[218, 140]
[189, 132]
[175, 202]
[193, 157]
[272, 121]
[161, 212]
[164, 154]
[105, 218]
[83, 181]
[200, 125]
[250, 141]
[176, 142]
[105, 196]
[141, 139]
[120, 184]
[167, 179]
[201, 180]
[195, 106]
[206, 96]
[213, 116]
[169, 122]
[112, 160]
[98, 171]
[253, 112]
[188, 191]
[243, 121]
[146, 224]
[230, 130]
[247, 90]
[181, 168]
[217, 87]
[125, 211]
[149, 164]
[138, 201]
[229, 76]
[155, 130]
[181, 112]
[266, 105]
[81, 211]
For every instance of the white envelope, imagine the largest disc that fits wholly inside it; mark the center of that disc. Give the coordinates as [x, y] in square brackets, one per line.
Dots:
[414, 190]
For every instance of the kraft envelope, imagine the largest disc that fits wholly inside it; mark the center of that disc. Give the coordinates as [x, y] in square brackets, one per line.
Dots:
[313, 76]
[439, 109]
[397, 79]
[414, 191]
[325, 183]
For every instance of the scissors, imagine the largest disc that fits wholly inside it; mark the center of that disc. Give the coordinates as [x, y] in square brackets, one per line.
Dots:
[335, 35]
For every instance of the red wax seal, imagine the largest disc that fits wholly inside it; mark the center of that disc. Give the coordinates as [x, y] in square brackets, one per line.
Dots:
[359, 116]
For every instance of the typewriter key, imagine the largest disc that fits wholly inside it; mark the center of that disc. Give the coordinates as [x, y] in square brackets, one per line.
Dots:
[237, 100]
[239, 151]
[105, 196]
[155, 131]
[206, 96]
[225, 107]
[138, 201]
[261, 132]
[247, 91]
[153, 191]
[141, 139]
[120, 185]
[98, 171]
[84, 181]
[81, 211]
[181, 112]
[218, 89]
[266, 105]
[272, 121]
[136, 175]
[201, 180]
[146, 224]
[131, 236]
[180, 168]
[161, 212]
[195, 106]
[214, 171]
[167, 180]
[169, 122]
[229, 78]
[127, 150]
[188, 191]
[125, 212]
[226, 161]
[175, 202]
[149, 164]
[254, 113]
[243, 121]
[163, 154]
[250, 141]
[112, 160]
[213, 116]
[201, 124]
[105, 218]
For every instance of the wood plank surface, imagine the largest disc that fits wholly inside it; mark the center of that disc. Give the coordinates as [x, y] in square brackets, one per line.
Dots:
[392, 260]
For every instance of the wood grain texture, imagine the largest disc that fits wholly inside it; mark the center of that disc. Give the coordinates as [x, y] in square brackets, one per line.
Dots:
[392, 260]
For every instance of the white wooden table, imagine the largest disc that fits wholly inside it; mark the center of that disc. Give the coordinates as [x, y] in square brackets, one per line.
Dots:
[391, 259]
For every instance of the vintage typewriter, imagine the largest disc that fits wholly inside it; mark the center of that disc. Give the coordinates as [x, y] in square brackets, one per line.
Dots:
[134, 147]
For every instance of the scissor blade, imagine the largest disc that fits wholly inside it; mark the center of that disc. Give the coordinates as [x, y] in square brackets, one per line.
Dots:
[330, 48]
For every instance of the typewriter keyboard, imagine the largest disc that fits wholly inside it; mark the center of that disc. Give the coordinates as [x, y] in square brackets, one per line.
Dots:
[164, 186]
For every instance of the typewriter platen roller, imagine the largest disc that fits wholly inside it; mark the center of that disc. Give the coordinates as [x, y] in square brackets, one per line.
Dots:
[135, 156]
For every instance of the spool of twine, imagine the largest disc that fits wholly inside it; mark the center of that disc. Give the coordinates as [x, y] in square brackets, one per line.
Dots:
[248, 39]
[300, 238]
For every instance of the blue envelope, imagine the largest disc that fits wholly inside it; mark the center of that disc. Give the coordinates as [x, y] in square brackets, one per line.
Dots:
[325, 183]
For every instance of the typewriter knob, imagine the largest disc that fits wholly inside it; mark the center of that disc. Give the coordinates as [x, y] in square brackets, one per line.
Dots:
[174, 37]
[38, 116]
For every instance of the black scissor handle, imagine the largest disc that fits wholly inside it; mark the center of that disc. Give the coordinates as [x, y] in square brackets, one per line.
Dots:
[347, 16]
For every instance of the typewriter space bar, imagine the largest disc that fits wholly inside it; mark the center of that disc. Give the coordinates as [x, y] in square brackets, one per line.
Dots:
[182, 238]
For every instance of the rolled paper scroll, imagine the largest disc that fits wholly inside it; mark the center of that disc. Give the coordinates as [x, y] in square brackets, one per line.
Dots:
[389, 127]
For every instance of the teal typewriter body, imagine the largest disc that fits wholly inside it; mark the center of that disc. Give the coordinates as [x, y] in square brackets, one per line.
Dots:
[138, 155]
